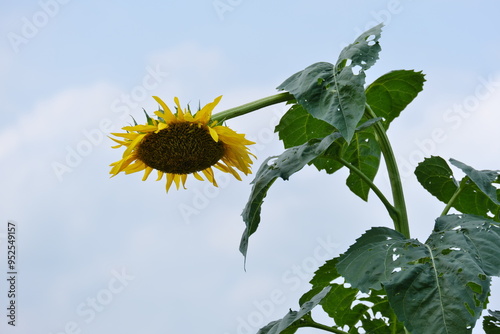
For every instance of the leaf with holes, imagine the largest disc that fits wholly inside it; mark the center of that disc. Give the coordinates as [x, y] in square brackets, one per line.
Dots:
[437, 287]
[283, 166]
[288, 163]
[290, 320]
[491, 322]
[297, 126]
[335, 93]
[392, 92]
[482, 178]
[436, 176]
[347, 307]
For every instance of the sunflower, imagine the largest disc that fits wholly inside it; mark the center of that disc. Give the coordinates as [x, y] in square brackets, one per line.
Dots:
[179, 144]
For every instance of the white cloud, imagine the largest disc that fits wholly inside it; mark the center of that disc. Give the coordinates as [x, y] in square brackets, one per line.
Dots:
[58, 119]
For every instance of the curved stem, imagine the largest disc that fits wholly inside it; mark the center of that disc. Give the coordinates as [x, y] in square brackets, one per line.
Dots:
[252, 106]
[390, 208]
[454, 196]
[401, 223]
[314, 324]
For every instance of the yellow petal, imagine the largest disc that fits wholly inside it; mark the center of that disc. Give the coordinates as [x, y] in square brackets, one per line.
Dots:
[168, 116]
[170, 178]
[135, 167]
[197, 176]
[133, 144]
[177, 180]
[147, 171]
[209, 174]
[214, 134]
[120, 165]
[206, 112]
[180, 113]
[141, 128]
[183, 179]
[127, 135]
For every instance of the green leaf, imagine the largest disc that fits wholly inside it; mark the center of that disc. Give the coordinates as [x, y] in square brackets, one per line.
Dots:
[437, 287]
[363, 153]
[329, 160]
[491, 323]
[297, 127]
[338, 304]
[292, 317]
[392, 92]
[335, 93]
[288, 163]
[435, 175]
[325, 274]
[482, 178]
[385, 319]
[364, 264]
[347, 307]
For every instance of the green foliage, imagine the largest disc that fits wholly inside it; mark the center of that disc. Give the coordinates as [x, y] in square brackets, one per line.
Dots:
[474, 194]
[392, 92]
[443, 284]
[385, 282]
[283, 166]
[288, 163]
[294, 319]
[335, 93]
[491, 323]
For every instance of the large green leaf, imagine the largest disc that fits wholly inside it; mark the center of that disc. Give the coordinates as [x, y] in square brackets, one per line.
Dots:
[288, 163]
[437, 287]
[476, 196]
[297, 127]
[392, 92]
[292, 317]
[283, 166]
[335, 93]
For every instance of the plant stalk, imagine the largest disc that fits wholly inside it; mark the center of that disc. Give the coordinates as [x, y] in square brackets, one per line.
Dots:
[401, 222]
[252, 106]
[390, 208]
[454, 197]
[314, 324]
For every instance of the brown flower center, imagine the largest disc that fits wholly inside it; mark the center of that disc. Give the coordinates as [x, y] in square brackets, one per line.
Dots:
[182, 148]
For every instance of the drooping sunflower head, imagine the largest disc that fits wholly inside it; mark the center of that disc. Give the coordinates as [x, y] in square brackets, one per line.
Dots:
[178, 144]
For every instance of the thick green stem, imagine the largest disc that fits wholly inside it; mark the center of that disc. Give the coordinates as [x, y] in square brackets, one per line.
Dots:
[454, 197]
[390, 208]
[401, 221]
[252, 106]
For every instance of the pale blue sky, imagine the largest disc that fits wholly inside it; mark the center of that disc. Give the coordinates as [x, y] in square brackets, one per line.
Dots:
[87, 66]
